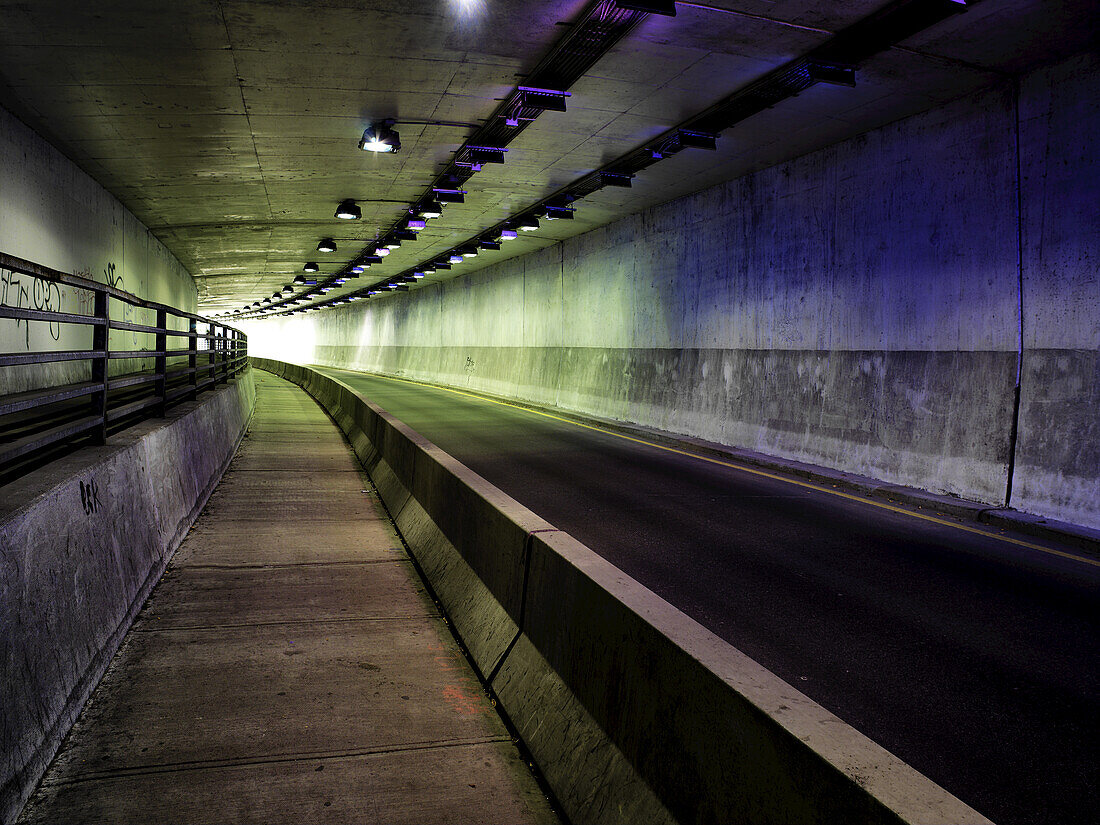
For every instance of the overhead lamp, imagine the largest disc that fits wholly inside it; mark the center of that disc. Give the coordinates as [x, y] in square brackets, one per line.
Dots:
[301, 279]
[266, 301]
[310, 267]
[382, 251]
[380, 137]
[546, 100]
[508, 234]
[455, 259]
[468, 251]
[371, 259]
[665, 7]
[340, 281]
[392, 243]
[616, 179]
[554, 213]
[359, 269]
[429, 269]
[477, 155]
[348, 210]
[450, 195]
[442, 263]
[486, 243]
[415, 224]
[326, 245]
[418, 275]
[404, 235]
[430, 209]
[698, 140]
[527, 224]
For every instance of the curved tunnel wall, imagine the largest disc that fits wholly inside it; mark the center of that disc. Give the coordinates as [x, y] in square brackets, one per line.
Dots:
[54, 214]
[859, 307]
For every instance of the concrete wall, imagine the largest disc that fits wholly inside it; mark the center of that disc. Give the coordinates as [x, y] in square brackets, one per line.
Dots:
[82, 543]
[54, 214]
[857, 308]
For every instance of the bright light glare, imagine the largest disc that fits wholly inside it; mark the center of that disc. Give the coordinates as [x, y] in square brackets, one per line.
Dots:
[468, 9]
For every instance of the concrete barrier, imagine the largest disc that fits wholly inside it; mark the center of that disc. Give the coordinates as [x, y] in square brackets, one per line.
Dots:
[633, 711]
[83, 541]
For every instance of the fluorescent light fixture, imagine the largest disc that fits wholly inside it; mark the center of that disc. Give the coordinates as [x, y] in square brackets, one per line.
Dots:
[430, 209]
[418, 275]
[429, 269]
[340, 281]
[326, 245]
[508, 234]
[486, 243]
[359, 269]
[450, 195]
[380, 137]
[528, 224]
[666, 7]
[468, 251]
[455, 259]
[393, 243]
[404, 235]
[348, 210]
[415, 224]
[310, 267]
[382, 251]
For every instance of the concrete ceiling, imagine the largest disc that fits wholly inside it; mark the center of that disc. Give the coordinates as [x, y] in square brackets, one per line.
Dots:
[230, 128]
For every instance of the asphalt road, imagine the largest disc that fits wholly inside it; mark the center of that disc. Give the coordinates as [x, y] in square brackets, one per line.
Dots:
[971, 658]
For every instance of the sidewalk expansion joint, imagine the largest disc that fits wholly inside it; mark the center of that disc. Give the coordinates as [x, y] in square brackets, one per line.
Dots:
[398, 559]
[271, 759]
[233, 625]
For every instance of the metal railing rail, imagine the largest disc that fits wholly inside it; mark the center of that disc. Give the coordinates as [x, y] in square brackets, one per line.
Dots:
[35, 420]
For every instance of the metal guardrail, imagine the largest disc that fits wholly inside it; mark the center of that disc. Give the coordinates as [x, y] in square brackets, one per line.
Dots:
[85, 411]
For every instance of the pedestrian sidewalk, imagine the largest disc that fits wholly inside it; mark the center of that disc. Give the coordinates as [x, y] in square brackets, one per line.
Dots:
[290, 667]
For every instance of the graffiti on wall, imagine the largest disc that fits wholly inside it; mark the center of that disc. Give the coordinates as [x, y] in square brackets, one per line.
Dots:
[26, 291]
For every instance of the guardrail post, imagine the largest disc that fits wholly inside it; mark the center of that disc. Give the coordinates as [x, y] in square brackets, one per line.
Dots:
[219, 374]
[193, 357]
[211, 342]
[160, 363]
[101, 336]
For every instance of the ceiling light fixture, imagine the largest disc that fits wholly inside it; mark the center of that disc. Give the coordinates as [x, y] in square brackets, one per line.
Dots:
[527, 224]
[380, 137]
[508, 234]
[468, 251]
[665, 7]
[310, 267]
[326, 245]
[455, 259]
[415, 225]
[430, 209]
[450, 195]
[348, 210]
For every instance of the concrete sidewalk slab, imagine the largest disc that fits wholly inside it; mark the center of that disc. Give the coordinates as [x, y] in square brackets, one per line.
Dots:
[290, 667]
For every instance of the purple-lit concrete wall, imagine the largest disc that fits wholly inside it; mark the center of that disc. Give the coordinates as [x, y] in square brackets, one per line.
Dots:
[856, 308]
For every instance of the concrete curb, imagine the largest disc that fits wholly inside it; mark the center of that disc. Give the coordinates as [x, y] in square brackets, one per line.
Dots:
[1006, 518]
[633, 711]
[83, 541]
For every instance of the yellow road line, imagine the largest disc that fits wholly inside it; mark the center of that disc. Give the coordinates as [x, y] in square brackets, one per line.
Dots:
[764, 474]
